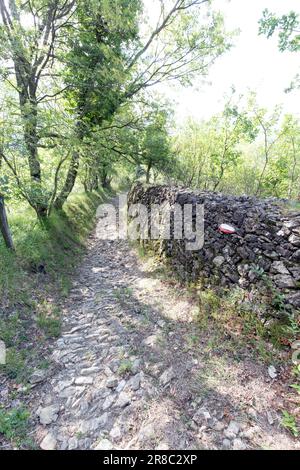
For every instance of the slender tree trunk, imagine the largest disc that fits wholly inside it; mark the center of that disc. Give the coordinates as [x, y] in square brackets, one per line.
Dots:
[69, 182]
[217, 183]
[267, 149]
[93, 178]
[4, 227]
[105, 182]
[292, 181]
[29, 117]
[148, 172]
[260, 181]
[74, 164]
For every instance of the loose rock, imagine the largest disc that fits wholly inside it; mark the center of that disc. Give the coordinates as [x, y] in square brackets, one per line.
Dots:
[48, 415]
[167, 376]
[104, 444]
[123, 400]
[48, 443]
[232, 430]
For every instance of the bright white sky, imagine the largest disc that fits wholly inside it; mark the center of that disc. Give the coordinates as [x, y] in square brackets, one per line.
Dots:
[253, 63]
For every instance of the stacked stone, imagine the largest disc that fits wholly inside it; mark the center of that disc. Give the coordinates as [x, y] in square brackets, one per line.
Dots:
[266, 239]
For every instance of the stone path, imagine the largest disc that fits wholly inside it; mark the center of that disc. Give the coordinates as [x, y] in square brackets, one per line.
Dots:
[132, 370]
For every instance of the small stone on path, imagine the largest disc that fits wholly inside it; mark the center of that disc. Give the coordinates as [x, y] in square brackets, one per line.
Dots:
[48, 414]
[49, 442]
[167, 376]
[84, 381]
[104, 444]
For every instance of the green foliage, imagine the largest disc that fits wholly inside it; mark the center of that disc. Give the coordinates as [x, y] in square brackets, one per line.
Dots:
[62, 112]
[155, 144]
[14, 424]
[296, 387]
[209, 152]
[125, 367]
[244, 320]
[245, 150]
[291, 330]
[9, 328]
[296, 370]
[49, 320]
[49, 247]
[98, 50]
[289, 422]
[274, 297]
[15, 365]
[287, 27]
[210, 301]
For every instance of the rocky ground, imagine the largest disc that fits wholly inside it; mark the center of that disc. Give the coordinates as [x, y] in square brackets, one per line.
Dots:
[132, 369]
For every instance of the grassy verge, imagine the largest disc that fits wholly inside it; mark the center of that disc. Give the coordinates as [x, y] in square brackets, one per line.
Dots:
[240, 325]
[33, 281]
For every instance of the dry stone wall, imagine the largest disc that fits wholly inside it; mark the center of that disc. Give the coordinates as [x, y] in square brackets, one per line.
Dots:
[266, 241]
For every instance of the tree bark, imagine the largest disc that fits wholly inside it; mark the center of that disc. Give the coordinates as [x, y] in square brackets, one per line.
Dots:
[4, 227]
[29, 115]
[148, 172]
[69, 182]
[105, 181]
[74, 163]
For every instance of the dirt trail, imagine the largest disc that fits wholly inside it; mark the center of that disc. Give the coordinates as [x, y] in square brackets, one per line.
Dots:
[133, 370]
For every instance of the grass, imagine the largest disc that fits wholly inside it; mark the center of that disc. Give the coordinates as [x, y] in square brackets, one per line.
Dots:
[289, 422]
[15, 365]
[51, 326]
[125, 367]
[14, 425]
[49, 319]
[53, 248]
[14, 331]
[123, 293]
[232, 312]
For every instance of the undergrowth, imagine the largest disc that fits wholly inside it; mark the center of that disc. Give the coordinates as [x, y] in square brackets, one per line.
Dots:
[14, 426]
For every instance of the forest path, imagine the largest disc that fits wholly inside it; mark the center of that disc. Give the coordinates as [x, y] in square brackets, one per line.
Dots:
[134, 371]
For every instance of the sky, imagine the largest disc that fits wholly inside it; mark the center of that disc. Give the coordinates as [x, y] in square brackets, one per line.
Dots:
[253, 63]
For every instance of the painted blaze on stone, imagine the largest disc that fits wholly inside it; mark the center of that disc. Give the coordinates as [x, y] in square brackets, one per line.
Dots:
[225, 228]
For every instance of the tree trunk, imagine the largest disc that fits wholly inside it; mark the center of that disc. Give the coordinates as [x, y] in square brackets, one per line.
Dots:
[29, 116]
[105, 180]
[69, 183]
[73, 168]
[105, 183]
[148, 172]
[4, 227]
[260, 181]
[292, 179]
[29, 113]
[220, 177]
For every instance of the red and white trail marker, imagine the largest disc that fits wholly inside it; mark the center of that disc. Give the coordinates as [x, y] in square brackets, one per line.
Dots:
[225, 228]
